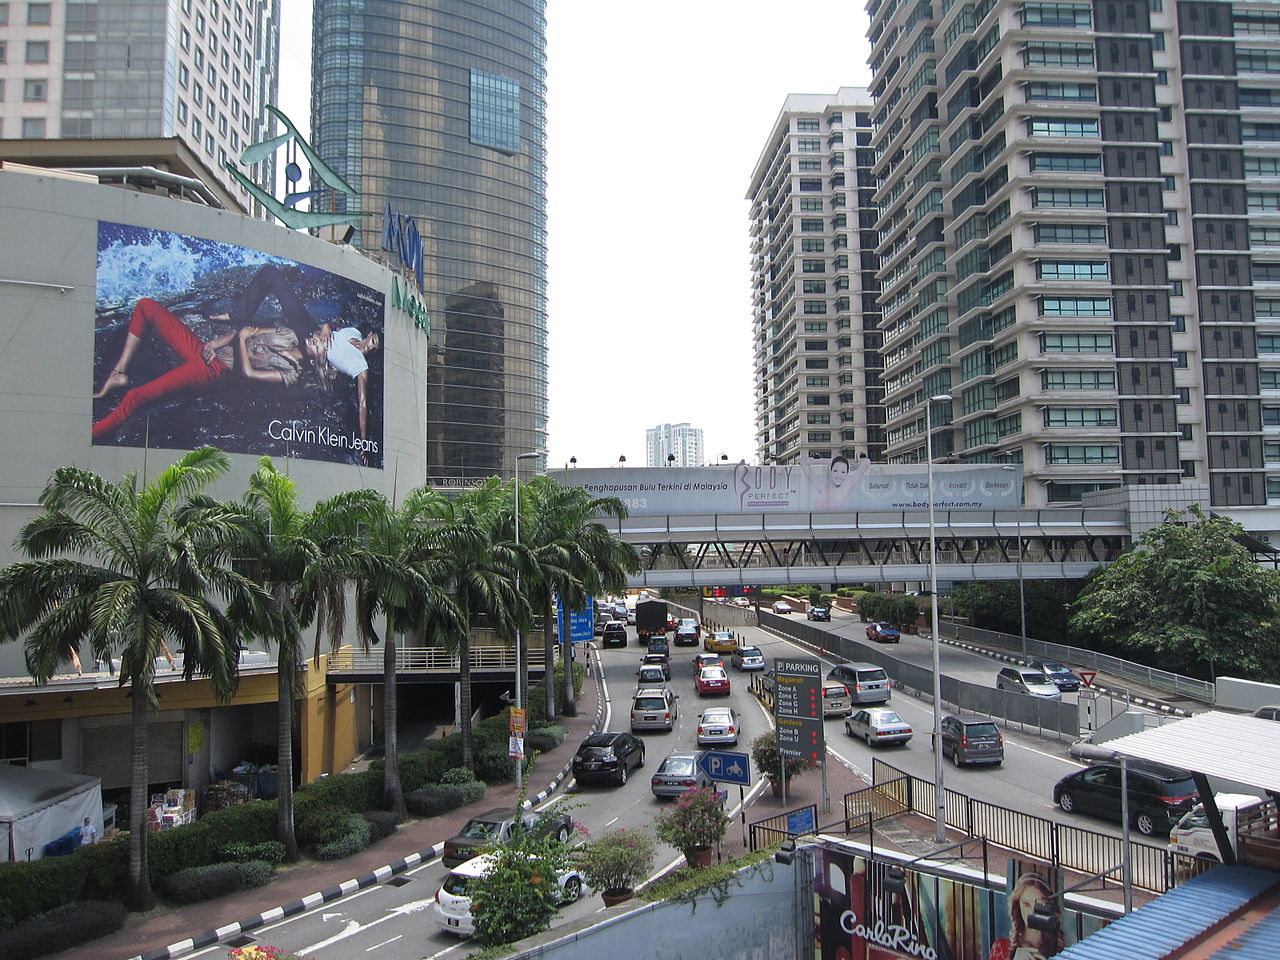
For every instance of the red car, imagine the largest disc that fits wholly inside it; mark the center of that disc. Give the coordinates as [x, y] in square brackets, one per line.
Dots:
[671, 622]
[712, 680]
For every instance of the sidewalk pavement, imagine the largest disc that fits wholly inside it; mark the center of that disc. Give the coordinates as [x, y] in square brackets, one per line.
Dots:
[170, 931]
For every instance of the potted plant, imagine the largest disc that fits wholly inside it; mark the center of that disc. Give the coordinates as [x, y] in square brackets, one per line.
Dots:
[768, 760]
[694, 824]
[615, 862]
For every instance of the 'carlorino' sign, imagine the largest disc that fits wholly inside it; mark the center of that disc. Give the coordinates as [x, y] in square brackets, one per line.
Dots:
[812, 486]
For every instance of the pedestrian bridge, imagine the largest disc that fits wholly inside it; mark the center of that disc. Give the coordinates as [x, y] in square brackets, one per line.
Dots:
[872, 547]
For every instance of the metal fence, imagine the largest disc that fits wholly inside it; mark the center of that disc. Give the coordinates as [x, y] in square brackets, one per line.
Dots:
[1087, 851]
[433, 659]
[1174, 683]
[773, 830]
[1052, 717]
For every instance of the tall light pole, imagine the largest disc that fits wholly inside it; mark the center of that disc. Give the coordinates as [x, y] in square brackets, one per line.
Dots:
[1022, 585]
[521, 679]
[940, 814]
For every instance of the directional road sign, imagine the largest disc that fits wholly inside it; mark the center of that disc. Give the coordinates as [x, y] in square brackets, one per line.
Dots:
[579, 627]
[726, 767]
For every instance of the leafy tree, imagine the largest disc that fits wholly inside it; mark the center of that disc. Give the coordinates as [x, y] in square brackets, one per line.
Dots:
[303, 559]
[993, 605]
[518, 895]
[131, 571]
[1190, 593]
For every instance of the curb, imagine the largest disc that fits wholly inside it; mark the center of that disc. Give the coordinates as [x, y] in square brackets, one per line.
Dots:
[328, 895]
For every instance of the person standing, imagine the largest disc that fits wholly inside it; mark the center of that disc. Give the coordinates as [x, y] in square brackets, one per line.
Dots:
[88, 833]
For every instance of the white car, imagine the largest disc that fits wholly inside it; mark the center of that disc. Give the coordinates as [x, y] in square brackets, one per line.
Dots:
[781, 606]
[452, 909]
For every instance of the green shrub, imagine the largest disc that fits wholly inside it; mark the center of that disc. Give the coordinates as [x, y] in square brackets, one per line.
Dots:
[36, 886]
[201, 883]
[353, 839]
[272, 851]
[432, 801]
[472, 791]
[61, 928]
[202, 842]
[382, 823]
[415, 771]
[545, 738]
[320, 825]
[352, 792]
[495, 767]
[106, 867]
[457, 775]
[255, 873]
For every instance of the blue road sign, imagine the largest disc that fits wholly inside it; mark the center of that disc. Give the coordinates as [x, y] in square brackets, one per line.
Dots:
[726, 767]
[580, 627]
[801, 821]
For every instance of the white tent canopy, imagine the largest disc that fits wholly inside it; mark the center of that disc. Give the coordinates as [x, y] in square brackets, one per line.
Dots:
[1223, 745]
[38, 806]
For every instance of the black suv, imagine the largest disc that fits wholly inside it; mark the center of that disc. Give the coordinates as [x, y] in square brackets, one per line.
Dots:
[1158, 796]
[820, 613]
[608, 756]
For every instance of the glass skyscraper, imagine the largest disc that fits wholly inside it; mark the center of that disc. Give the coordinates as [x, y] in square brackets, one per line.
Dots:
[438, 107]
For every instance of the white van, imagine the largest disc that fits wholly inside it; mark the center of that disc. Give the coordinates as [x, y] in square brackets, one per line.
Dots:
[1193, 836]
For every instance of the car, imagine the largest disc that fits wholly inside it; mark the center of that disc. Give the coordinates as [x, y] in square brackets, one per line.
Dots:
[653, 674]
[820, 612]
[971, 739]
[867, 682]
[608, 756]
[686, 636]
[835, 699]
[1031, 683]
[741, 601]
[631, 616]
[653, 708]
[748, 658]
[1058, 673]
[1267, 713]
[707, 660]
[690, 622]
[720, 641]
[671, 621]
[677, 774]
[718, 725]
[452, 906]
[882, 632]
[781, 606]
[712, 680]
[660, 646]
[878, 725]
[659, 660]
[615, 634]
[498, 825]
[1158, 795]
[620, 611]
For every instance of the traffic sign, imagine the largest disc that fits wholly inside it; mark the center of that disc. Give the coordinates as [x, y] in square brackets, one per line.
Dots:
[579, 627]
[726, 767]
[798, 707]
[801, 821]
[1087, 677]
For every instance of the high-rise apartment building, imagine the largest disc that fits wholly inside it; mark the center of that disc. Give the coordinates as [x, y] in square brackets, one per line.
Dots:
[200, 71]
[439, 109]
[1079, 222]
[815, 316]
[680, 440]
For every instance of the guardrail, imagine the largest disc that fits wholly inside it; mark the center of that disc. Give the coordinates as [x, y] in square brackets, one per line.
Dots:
[483, 659]
[1174, 683]
[771, 830]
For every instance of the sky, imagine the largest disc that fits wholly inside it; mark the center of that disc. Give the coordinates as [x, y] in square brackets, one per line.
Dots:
[657, 114]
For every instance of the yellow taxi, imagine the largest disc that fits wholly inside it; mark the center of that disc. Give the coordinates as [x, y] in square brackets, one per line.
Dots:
[720, 641]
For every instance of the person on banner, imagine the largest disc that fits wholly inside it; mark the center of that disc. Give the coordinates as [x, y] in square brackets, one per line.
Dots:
[276, 355]
[1025, 942]
[832, 483]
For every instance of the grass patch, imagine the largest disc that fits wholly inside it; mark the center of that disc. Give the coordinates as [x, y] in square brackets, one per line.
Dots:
[685, 884]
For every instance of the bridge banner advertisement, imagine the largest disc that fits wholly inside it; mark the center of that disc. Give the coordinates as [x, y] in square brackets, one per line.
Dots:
[812, 486]
[867, 910]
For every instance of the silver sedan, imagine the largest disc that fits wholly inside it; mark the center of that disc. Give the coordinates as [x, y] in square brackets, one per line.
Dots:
[878, 726]
[718, 725]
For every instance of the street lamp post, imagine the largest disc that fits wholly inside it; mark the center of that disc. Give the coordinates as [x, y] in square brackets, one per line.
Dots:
[521, 678]
[1022, 585]
[940, 814]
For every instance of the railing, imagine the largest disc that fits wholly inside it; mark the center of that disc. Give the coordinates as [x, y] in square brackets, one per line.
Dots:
[1174, 683]
[483, 659]
[1087, 851]
[772, 830]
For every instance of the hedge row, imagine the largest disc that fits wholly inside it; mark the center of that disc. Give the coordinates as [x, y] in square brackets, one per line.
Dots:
[889, 607]
[61, 928]
[196, 884]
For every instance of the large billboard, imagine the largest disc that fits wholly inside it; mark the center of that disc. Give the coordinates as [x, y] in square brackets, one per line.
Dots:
[810, 486]
[865, 910]
[201, 342]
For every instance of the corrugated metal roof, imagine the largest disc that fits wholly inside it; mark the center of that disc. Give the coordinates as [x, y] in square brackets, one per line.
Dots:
[1260, 942]
[1166, 923]
[1243, 749]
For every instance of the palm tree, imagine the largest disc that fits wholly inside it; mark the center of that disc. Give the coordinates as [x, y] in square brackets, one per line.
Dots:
[130, 572]
[303, 559]
[576, 557]
[398, 578]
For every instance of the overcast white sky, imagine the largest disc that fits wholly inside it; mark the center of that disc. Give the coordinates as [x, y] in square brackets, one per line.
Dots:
[656, 116]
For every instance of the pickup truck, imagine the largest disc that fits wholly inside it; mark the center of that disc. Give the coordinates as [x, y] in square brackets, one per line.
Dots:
[882, 632]
[1193, 836]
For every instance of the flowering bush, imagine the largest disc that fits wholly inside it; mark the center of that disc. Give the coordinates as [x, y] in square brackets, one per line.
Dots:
[259, 953]
[616, 860]
[696, 819]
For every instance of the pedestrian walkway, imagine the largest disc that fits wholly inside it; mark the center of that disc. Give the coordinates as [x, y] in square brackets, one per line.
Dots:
[152, 934]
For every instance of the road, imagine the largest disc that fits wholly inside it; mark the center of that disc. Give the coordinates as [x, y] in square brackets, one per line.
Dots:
[393, 921]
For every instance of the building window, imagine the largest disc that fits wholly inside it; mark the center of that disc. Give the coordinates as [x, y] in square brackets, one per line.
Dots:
[1072, 269]
[815, 326]
[1062, 127]
[1058, 90]
[813, 266]
[810, 204]
[39, 14]
[808, 124]
[1078, 380]
[1058, 55]
[1067, 197]
[4, 14]
[817, 381]
[35, 91]
[811, 224]
[812, 246]
[1184, 395]
[808, 144]
[37, 51]
[33, 128]
[808, 165]
[1057, 15]
[1269, 379]
[815, 286]
[495, 111]
[1075, 343]
[815, 306]
[1080, 417]
[1067, 162]
[182, 112]
[1082, 453]
[1071, 232]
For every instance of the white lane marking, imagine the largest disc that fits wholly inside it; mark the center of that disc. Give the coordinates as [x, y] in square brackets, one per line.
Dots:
[413, 906]
[613, 821]
[383, 943]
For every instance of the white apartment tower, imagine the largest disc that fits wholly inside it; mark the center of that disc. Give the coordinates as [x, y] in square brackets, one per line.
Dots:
[1079, 237]
[200, 71]
[815, 316]
[680, 440]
